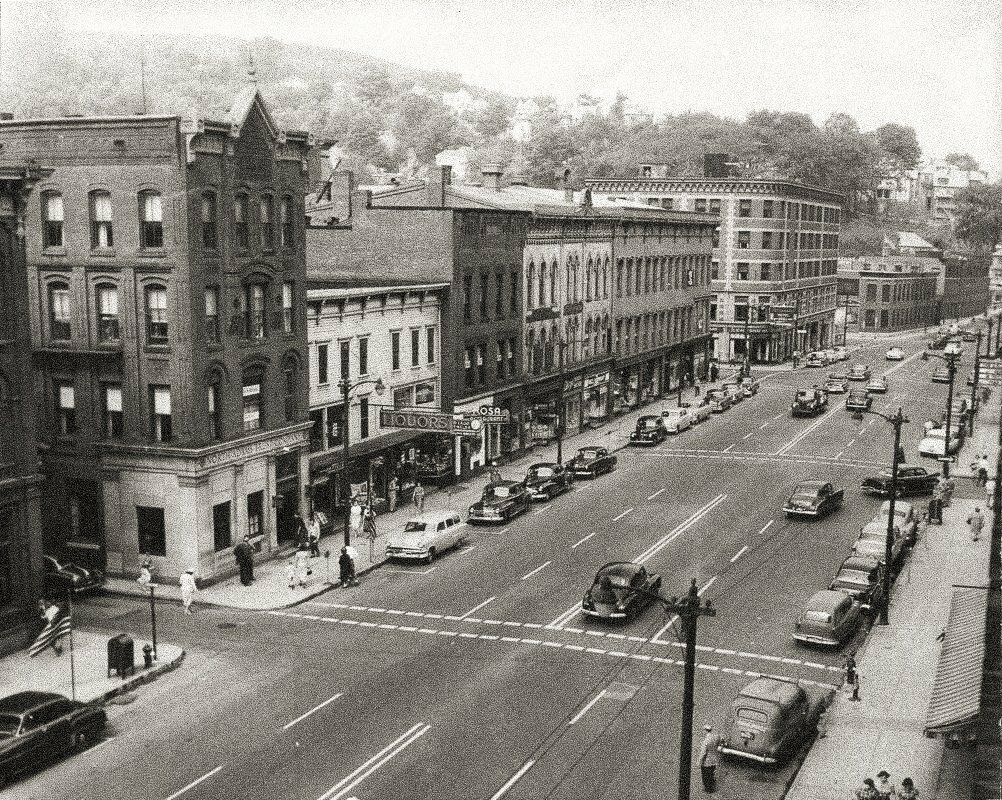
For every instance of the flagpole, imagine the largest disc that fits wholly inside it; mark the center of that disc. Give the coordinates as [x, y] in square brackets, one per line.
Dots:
[73, 674]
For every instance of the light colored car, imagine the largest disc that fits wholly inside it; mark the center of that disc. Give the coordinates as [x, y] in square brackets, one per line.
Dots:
[735, 391]
[894, 354]
[816, 360]
[877, 385]
[750, 386]
[953, 347]
[837, 383]
[841, 353]
[700, 412]
[872, 543]
[677, 419]
[859, 372]
[829, 618]
[427, 536]
[905, 518]
[933, 444]
[719, 400]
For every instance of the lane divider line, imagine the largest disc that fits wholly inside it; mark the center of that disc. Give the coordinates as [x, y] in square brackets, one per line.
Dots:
[804, 433]
[666, 540]
[659, 491]
[747, 435]
[297, 720]
[617, 519]
[584, 710]
[541, 510]
[707, 585]
[729, 447]
[195, 783]
[398, 745]
[738, 554]
[513, 780]
[537, 569]
[477, 608]
[840, 452]
[582, 541]
[763, 425]
[766, 527]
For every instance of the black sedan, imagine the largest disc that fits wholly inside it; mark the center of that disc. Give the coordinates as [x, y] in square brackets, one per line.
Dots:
[500, 502]
[861, 578]
[65, 576]
[591, 462]
[546, 480]
[621, 590]
[650, 431]
[911, 480]
[858, 400]
[37, 727]
[813, 499]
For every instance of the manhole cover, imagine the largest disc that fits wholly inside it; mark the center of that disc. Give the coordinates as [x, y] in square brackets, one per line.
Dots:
[227, 625]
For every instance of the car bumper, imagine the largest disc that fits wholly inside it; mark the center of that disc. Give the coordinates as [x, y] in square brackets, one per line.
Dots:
[485, 518]
[603, 614]
[730, 751]
[801, 512]
[809, 638]
[644, 442]
[539, 494]
[406, 555]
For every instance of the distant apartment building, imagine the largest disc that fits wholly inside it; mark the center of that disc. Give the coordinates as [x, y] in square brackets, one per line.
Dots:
[931, 188]
[773, 270]
[889, 293]
[167, 282]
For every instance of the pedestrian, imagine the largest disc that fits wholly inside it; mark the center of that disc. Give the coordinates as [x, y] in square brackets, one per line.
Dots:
[49, 612]
[355, 517]
[419, 497]
[369, 530]
[907, 790]
[990, 493]
[695, 388]
[302, 560]
[708, 759]
[868, 791]
[391, 493]
[976, 523]
[188, 588]
[885, 789]
[346, 567]
[850, 669]
[302, 537]
[985, 394]
[313, 535]
[494, 474]
[145, 575]
[244, 554]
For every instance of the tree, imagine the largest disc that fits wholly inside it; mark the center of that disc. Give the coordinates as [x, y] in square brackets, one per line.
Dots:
[860, 237]
[979, 215]
[962, 161]
[900, 143]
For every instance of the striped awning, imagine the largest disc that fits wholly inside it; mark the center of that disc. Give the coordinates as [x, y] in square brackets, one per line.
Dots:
[956, 694]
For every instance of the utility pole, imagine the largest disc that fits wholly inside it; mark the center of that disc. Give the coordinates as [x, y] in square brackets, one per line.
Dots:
[689, 609]
[974, 386]
[560, 401]
[951, 365]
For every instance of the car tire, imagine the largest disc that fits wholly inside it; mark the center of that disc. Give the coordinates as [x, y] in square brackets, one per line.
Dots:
[431, 555]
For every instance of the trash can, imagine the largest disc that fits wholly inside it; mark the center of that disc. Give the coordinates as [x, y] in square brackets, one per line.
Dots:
[121, 655]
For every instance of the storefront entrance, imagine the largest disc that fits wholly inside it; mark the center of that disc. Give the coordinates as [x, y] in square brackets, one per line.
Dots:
[287, 488]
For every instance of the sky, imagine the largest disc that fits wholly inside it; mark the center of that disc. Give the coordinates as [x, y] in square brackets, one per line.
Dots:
[936, 66]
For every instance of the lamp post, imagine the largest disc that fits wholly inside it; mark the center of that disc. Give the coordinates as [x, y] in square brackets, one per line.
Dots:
[560, 401]
[897, 421]
[974, 386]
[951, 366]
[153, 619]
[346, 387]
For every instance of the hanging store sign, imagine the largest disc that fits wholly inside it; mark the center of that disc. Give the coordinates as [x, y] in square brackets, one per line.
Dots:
[434, 421]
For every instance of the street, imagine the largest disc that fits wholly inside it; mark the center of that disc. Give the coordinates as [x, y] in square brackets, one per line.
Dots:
[478, 677]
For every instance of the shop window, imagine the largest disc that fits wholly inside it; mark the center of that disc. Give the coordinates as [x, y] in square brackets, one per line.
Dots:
[403, 398]
[66, 407]
[156, 314]
[108, 329]
[255, 514]
[415, 347]
[152, 531]
[151, 221]
[215, 408]
[113, 418]
[101, 231]
[52, 219]
[253, 404]
[424, 394]
[59, 311]
[316, 430]
[363, 419]
[210, 238]
[222, 536]
[363, 355]
[160, 413]
[241, 226]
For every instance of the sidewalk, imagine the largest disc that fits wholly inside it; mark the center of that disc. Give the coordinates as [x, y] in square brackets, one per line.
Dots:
[897, 667]
[270, 589]
[48, 672]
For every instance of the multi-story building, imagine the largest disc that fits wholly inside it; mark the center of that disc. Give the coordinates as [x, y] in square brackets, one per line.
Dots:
[931, 188]
[890, 293]
[774, 260]
[383, 345]
[20, 481]
[478, 252]
[965, 282]
[167, 276]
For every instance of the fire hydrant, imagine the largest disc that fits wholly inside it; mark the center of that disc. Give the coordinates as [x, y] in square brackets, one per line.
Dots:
[148, 655]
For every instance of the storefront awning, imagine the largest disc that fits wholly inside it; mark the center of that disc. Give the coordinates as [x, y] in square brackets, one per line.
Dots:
[333, 461]
[956, 694]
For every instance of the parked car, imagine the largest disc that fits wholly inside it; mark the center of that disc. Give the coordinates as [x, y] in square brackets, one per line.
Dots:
[858, 400]
[837, 383]
[63, 576]
[941, 375]
[650, 431]
[912, 479]
[841, 353]
[815, 360]
[933, 444]
[621, 590]
[872, 543]
[877, 385]
[954, 347]
[895, 354]
[735, 391]
[749, 386]
[829, 618]
[426, 536]
[700, 412]
[939, 342]
[969, 336]
[813, 499]
[546, 480]
[906, 519]
[590, 462]
[39, 727]
[859, 372]
[860, 578]
[500, 502]
[770, 720]
[677, 420]
[719, 400]
[809, 402]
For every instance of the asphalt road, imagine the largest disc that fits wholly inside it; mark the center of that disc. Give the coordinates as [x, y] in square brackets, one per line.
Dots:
[478, 678]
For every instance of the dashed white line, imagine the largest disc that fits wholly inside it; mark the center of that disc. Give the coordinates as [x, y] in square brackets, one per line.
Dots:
[659, 491]
[662, 543]
[582, 541]
[537, 569]
[747, 435]
[780, 416]
[729, 447]
[763, 425]
[477, 608]
[618, 518]
[297, 720]
[708, 584]
[195, 783]
[513, 780]
[840, 452]
[738, 554]
[849, 443]
[766, 527]
[541, 510]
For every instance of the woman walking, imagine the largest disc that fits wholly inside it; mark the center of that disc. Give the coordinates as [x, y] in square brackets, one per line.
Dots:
[188, 588]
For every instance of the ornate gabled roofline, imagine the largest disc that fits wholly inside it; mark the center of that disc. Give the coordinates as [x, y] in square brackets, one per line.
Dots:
[718, 185]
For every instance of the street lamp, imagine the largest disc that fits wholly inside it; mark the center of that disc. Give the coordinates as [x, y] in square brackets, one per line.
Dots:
[897, 421]
[346, 387]
[951, 366]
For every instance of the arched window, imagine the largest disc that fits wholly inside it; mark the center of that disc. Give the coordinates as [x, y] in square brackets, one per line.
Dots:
[241, 221]
[255, 323]
[151, 220]
[156, 314]
[530, 283]
[253, 399]
[60, 311]
[210, 234]
[553, 284]
[266, 221]
[101, 234]
[542, 283]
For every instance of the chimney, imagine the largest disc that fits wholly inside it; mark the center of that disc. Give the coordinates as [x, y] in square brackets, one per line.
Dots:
[568, 189]
[436, 186]
[518, 179]
[492, 176]
[342, 187]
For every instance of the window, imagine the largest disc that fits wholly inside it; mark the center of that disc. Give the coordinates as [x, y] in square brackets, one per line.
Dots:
[468, 367]
[619, 277]
[667, 203]
[468, 297]
[415, 347]
[316, 430]
[101, 233]
[885, 293]
[322, 366]
[713, 306]
[113, 423]
[345, 346]
[530, 283]
[266, 222]
[883, 318]
[255, 514]
[481, 366]
[252, 402]
[255, 302]
[221, 535]
[285, 219]
[291, 391]
[484, 282]
[363, 355]
[212, 314]
[767, 209]
[152, 531]
[240, 221]
[510, 355]
[714, 270]
[107, 313]
[424, 394]
[66, 407]
[744, 208]
[8, 577]
[403, 398]
[744, 240]
[765, 272]
[52, 219]
[334, 414]
[151, 220]
[213, 397]
[160, 414]
[871, 318]
[715, 238]
[500, 359]
[767, 240]
[363, 419]
[395, 350]
[59, 311]
[156, 314]
[742, 274]
[288, 318]
[715, 205]
[701, 204]
[499, 296]
[210, 238]
[430, 344]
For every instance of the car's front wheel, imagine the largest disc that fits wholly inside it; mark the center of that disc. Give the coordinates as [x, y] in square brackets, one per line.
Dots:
[431, 555]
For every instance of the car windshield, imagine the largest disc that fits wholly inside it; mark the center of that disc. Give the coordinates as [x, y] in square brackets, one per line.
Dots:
[541, 472]
[414, 526]
[9, 725]
[674, 412]
[805, 394]
[716, 392]
[853, 576]
[650, 423]
[753, 714]
[617, 581]
[588, 455]
[817, 616]
[499, 491]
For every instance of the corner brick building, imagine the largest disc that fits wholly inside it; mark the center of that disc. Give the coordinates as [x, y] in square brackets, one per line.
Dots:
[166, 280]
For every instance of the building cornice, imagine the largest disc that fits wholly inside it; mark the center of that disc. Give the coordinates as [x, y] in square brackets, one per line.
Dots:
[715, 186]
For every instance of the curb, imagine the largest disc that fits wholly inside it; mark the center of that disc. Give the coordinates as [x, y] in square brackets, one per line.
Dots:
[139, 680]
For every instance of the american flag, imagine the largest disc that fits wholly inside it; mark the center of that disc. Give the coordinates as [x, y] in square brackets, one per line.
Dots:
[54, 631]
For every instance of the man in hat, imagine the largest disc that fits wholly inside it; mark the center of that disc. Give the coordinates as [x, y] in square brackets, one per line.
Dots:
[244, 554]
[708, 759]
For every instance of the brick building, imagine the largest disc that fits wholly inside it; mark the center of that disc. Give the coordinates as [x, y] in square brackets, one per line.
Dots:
[20, 481]
[775, 251]
[166, 275]
[889, 293]
[965, 285]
